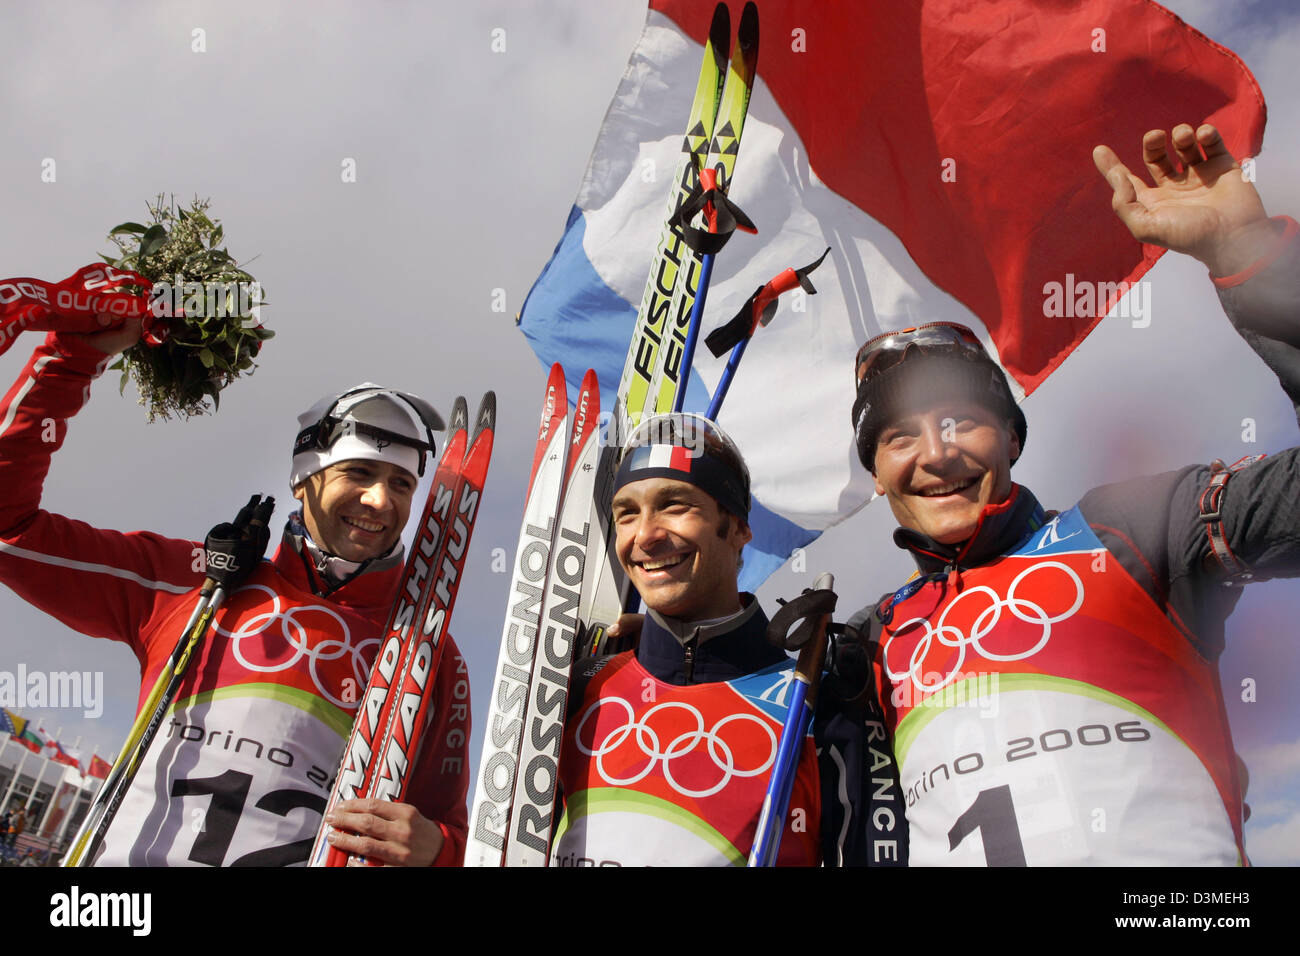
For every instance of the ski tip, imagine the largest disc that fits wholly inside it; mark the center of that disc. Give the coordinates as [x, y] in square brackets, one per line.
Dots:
[487, 413]
[720, 29]
[586, 419]
[557, 382]
[459, 415]
[747, 35]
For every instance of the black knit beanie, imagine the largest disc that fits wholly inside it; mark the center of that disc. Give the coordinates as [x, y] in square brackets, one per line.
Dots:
[924, 377]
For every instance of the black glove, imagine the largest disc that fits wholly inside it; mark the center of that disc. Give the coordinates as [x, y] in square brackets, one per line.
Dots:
[805, 611]
[848, 665]
[233, 549]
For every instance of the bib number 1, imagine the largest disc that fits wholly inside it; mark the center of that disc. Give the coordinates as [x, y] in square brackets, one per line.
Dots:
[994, 816]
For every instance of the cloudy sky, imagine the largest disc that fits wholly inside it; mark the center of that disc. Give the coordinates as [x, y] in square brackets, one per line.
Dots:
[467, 161]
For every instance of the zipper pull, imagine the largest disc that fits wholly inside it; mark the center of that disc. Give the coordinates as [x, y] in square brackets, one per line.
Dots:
[690, 661]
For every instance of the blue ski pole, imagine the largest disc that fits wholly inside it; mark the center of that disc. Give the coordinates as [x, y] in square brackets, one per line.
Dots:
[757, 310]
[815, 607]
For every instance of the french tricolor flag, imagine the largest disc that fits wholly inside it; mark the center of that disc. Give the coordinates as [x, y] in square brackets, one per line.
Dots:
[941, 148]
[674, 457]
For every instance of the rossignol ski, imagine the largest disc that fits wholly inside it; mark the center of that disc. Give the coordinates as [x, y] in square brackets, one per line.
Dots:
[529, 840]
[494, 789]
[394, 710]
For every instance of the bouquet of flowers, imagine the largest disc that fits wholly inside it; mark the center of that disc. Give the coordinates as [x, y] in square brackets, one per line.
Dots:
[213, 308]
[201, 312]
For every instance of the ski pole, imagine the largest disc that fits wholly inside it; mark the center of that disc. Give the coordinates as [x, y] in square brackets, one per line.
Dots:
[716, 208]
[814, 608]
[758, 310]
[231, 551]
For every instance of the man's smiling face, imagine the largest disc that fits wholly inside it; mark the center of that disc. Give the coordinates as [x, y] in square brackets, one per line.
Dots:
[680, 550]
[941, 465]
[357, 509]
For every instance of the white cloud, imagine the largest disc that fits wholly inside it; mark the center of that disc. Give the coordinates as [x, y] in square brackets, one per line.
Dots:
[1279, 759]
[1277, 844]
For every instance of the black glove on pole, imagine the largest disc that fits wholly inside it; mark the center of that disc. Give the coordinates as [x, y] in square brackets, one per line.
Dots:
[232, 550]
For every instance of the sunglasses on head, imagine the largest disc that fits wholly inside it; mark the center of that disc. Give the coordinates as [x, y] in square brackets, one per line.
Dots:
[886, 350]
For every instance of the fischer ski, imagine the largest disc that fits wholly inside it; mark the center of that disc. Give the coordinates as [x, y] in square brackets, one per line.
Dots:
[672, 256]
[658, 359]
[709, 195]
[605, 588]
[391, 718]
[494, 789]
[657, 365]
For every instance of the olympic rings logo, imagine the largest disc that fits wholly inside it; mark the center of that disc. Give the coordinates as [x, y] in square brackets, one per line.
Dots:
[951, 636]
[647, 740]
[295, 636]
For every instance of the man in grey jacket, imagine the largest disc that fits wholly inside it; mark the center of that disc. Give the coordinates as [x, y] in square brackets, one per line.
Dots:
[1048, 683]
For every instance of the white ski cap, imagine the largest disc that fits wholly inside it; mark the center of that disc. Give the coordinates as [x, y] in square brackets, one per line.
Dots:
[369, 422]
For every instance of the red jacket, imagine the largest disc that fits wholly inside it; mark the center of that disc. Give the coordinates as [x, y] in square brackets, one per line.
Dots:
[240, 771]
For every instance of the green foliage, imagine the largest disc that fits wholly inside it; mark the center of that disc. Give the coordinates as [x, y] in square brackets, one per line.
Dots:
[214, 341]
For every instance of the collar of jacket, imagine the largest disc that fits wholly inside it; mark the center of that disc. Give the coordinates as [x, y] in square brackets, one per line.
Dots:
[371, 589]
[1001, 527]
[723, 650]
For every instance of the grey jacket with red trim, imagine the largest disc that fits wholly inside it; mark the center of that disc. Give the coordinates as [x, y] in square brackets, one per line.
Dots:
[1154, 526]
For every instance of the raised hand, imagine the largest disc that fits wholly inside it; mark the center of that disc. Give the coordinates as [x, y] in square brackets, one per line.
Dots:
[1199, 203]
[112, 341]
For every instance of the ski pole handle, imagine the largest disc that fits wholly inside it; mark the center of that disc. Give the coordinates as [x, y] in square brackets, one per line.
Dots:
[757, 310]
[814, 607]
[247, 538]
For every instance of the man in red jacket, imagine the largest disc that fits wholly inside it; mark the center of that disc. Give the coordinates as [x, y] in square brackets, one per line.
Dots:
[240, 771]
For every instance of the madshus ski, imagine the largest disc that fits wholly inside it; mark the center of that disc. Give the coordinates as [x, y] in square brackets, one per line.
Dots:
[394, 710]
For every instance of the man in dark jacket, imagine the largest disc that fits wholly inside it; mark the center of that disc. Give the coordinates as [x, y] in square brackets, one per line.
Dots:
[668, 748]
[1049, 681]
